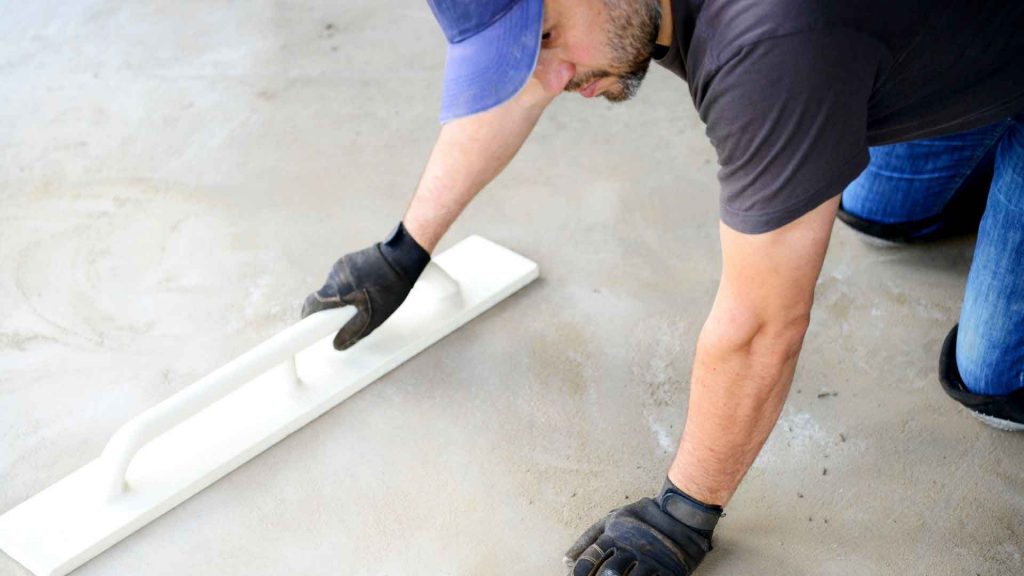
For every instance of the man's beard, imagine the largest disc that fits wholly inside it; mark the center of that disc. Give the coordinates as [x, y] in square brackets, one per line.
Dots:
[632, 31]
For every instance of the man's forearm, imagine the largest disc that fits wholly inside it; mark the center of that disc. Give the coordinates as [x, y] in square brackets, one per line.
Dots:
[738, 388]
[471, 151]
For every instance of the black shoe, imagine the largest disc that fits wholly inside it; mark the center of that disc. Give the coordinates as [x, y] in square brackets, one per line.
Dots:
[961, 216]
[1003, 412]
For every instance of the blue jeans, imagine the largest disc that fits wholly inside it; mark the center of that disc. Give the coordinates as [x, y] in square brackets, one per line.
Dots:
[915, 181]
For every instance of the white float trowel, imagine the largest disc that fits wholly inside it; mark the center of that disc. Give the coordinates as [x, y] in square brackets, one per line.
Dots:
[178, 447]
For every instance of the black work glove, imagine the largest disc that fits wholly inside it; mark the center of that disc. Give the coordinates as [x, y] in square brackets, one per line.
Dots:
[665, 536]
[376, 280]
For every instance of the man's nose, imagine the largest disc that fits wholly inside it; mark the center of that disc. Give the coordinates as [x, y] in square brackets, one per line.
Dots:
[553, 72]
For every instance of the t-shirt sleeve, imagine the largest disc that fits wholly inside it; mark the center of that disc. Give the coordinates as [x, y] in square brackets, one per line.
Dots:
[788, 118]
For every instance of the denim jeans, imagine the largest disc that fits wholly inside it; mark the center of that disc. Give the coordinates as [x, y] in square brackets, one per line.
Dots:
[914, 181]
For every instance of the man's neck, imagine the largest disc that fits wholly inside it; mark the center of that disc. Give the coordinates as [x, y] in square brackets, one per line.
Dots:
[665, 31]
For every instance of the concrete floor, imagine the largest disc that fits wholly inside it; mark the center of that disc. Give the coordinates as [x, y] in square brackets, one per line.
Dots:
[176, 176]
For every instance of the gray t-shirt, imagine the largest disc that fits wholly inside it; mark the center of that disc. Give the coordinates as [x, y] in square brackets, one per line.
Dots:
[794, 91]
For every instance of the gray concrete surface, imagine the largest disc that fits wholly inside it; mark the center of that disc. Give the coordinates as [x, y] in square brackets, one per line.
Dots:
[175, 176]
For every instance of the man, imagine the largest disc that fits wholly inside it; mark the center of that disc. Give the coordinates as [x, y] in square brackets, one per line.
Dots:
[793, 93]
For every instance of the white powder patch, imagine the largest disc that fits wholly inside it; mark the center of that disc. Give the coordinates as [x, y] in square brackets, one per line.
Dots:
[666, 440]
[796, 434]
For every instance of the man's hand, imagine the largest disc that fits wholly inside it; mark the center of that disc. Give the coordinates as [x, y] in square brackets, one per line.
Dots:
[376, 280]
[665, 536]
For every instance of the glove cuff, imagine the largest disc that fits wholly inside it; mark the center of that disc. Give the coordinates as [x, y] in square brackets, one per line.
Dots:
[687, 509]
[404, 254]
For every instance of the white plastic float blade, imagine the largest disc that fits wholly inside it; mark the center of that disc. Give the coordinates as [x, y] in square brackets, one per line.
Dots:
[70, 522]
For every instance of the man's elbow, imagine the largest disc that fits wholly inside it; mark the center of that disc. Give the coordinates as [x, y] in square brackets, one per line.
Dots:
[774, 338]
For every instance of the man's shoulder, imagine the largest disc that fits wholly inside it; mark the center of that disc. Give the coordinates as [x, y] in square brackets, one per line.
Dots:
[725, 28]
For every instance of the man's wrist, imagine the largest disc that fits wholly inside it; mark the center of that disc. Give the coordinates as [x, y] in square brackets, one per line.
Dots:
[699, 515]
[404, 254]
[692, 482]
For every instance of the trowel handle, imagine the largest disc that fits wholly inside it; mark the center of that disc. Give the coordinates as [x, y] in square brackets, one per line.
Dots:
[435, 285]
[281, 348]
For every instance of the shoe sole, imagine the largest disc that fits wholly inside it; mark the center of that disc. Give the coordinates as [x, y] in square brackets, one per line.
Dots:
[998, 423]
[953, 385]
[877, 242]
